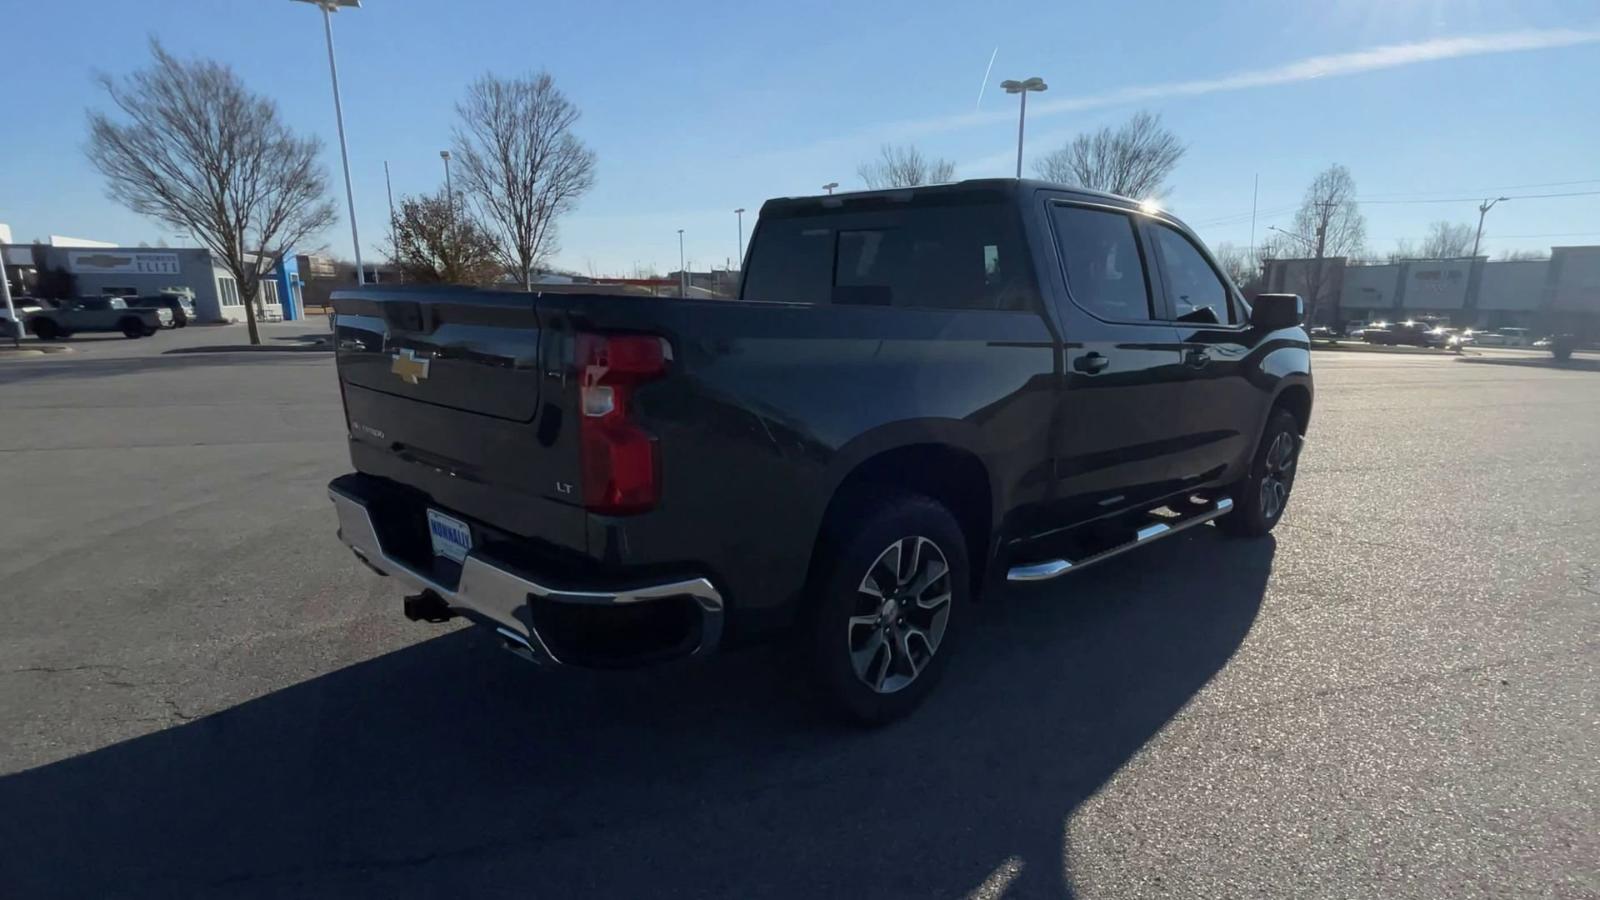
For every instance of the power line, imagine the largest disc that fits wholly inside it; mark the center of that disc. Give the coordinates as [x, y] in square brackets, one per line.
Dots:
[1488, 190]
[1476, 199]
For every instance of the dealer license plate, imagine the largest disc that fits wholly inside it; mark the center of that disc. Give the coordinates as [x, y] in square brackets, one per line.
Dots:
[451, 537]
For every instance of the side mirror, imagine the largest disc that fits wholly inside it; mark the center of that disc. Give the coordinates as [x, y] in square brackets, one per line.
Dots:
[1274, 311]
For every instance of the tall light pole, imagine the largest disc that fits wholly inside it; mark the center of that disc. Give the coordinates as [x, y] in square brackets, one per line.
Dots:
[740, 213]
[830, 186]
[329, 7]
[5, 294]
[1483, 210]
[449, 192]
[683, 273]
[1024, 88]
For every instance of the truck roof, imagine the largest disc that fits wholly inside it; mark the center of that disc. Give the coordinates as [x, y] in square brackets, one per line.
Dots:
[1004, 185]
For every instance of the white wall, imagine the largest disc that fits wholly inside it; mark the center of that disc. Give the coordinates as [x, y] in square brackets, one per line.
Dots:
[1516, 286]
[1436, 284]
[1370, 287]
[1578, 281]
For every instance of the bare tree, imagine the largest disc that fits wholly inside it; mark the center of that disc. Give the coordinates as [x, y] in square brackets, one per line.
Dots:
[194, 148]
[435, 244]
[1133, 161]
[1237, 264]
[1447, 239]
[1524, 255]
[904, 167]
[522, 164]
[1328, 225]
[1403, 249]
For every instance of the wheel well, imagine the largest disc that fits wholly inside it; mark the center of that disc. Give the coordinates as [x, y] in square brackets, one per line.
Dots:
[1296, 399]
[955, 478]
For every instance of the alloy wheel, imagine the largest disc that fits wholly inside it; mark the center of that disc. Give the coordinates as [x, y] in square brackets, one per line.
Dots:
[902, 606]
[1280, 474]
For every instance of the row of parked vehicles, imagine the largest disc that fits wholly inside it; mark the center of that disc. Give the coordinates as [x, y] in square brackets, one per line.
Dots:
[1433, 333]
[134, 317]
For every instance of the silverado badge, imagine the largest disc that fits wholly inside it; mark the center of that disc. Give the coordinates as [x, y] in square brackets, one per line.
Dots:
[410, 367]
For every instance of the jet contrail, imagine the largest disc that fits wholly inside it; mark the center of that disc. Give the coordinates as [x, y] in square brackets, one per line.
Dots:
[985, 83]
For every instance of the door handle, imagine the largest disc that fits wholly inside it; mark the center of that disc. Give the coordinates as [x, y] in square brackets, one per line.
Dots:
[1196, 358]
[1090, 363]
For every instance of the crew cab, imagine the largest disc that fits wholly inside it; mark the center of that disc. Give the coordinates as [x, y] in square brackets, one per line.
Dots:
[919, 395]
[97, 314]
[180, 306]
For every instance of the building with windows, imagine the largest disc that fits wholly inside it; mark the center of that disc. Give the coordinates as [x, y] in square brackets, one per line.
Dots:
[101, 270]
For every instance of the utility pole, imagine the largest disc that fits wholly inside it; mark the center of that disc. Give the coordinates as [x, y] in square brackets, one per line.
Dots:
[1483, 210]
[1254, 193]
[394, 224]
[1322, 245]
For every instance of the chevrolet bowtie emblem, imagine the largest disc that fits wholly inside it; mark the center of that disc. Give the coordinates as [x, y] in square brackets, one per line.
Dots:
[409, 366]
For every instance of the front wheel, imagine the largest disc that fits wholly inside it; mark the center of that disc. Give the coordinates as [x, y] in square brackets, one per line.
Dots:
[893, 575]
[1261, 496]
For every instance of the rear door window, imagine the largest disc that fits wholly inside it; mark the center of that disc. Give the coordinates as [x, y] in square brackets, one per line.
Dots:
[1104, 268]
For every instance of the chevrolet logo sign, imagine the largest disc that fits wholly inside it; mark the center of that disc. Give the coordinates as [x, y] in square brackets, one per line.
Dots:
[410, 367]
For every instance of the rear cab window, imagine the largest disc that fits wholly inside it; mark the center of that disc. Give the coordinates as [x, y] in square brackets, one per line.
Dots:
[940, 250]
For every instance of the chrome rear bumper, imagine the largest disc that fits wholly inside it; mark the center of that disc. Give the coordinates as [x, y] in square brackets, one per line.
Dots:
[501, 595]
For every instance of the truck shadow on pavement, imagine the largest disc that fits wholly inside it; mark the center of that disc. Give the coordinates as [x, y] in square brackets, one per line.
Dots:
[450, 769]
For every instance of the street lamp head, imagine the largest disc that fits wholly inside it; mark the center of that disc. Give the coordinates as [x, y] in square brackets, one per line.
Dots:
[739, 211]
[830, 185]
[1018, 87]
[333, 5]
[444, 155]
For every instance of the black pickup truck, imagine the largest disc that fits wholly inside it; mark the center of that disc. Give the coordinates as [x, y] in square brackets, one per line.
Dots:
[920, 393]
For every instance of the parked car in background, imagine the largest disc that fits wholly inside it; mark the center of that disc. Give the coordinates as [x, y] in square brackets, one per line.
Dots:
[181, 307]
[1505, 337]
[1409, 333]
[87, 314]
[24, 307]
[1323, 333]
[1038, 378]
[1356, 329]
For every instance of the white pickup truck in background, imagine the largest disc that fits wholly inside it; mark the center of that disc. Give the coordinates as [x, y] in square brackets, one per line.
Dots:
[97, 314]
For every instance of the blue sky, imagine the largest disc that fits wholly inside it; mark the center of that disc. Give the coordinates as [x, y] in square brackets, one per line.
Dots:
[697, 108]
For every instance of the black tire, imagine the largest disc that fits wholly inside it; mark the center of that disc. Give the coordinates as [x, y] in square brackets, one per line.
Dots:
[905, 650]
[44, 329]
[1258, 502]
[133, 328]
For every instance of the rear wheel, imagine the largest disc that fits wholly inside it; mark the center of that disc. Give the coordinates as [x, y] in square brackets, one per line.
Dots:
[892, 576]
[44, 329]
[133, 328]
[1261, 496]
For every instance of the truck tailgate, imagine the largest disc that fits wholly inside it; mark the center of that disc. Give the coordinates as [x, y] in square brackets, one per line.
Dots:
[445, 394]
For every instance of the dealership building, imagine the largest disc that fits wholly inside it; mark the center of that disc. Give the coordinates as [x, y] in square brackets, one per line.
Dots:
[1561, 293]
[101, 270]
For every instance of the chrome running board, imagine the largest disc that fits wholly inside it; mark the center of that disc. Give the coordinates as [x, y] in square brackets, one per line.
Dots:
[1055, 568]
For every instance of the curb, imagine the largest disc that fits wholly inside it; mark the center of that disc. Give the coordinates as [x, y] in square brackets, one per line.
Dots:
[33, 350]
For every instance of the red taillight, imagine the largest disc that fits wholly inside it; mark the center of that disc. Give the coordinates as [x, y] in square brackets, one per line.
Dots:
[621, 466]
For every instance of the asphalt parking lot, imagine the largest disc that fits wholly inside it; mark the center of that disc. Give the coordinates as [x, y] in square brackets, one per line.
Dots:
[203, 694]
